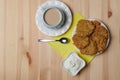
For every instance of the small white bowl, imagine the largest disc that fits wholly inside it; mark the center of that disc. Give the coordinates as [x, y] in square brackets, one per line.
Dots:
[73, 64]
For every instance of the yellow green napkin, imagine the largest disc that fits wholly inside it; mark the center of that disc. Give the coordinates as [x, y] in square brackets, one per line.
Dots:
[65, 49]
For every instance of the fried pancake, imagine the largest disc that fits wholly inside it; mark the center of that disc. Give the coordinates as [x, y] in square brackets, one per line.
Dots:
[101, 31]
[91, 49]
[85, 28]
[100, 36]
[95, 22]
[100, 41]
[80, 42]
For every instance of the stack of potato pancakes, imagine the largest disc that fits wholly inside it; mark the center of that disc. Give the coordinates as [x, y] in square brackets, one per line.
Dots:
[90, 37]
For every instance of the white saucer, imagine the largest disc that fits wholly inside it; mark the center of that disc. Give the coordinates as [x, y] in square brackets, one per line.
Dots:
[52, 4]
[103, 25]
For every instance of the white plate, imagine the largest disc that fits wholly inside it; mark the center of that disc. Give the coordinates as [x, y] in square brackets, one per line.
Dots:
[103, 25]
[52, 4]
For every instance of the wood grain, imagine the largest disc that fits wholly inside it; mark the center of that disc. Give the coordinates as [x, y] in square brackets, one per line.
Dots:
[23, 58]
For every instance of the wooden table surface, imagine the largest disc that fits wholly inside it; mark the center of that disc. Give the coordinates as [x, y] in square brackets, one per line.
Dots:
[23, 58]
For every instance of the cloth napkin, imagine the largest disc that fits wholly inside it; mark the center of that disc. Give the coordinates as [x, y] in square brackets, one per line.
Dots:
[65, 49]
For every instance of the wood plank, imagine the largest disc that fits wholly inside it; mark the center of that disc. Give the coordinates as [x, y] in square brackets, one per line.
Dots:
[2, 38]
[11, 40]
[25, 41]
[33, 54]
[114, 60]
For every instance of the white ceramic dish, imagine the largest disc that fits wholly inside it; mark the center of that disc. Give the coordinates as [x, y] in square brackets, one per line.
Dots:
[108, 41]
[53, 4]
[73, 64]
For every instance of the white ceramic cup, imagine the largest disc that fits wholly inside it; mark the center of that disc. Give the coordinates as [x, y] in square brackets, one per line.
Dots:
[61, 19]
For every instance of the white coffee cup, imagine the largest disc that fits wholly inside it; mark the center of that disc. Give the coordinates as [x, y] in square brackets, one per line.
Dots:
[53, 18]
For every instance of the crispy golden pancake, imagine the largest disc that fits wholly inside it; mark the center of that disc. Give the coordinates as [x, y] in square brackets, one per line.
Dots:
[90, 49]
[80, 42]
[101, 42]
[84, 28]
[101, 31]
[100, 36]
[95, 22]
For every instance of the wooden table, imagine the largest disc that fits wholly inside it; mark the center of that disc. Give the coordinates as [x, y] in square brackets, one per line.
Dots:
[23, 58]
